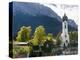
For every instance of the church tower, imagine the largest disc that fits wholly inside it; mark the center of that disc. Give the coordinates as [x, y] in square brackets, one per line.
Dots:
[65, 35]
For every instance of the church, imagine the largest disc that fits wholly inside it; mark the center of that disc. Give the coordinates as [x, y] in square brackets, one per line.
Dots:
[64, 34]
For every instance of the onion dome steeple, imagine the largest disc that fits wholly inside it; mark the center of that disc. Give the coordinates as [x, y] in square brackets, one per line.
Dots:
[65, 18]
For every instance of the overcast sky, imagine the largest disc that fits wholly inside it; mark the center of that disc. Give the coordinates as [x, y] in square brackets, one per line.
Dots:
[70, 10]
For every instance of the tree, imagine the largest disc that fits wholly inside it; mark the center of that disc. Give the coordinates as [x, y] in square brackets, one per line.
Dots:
[50, 36]
[35, 41]
[58, 39]
[49, 44]
[40, 34]
[73, 37]
[24, 34]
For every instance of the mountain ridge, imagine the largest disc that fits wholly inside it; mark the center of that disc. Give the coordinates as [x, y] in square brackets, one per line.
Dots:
[32, 17]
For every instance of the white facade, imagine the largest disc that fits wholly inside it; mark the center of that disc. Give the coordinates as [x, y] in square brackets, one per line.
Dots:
[65, 35]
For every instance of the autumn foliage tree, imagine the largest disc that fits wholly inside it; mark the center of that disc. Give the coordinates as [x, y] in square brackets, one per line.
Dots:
[24, 34]
[50, 36]
[39, 35]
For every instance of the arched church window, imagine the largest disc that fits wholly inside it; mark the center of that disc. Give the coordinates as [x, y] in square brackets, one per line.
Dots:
[65, 25]
[65, 35]
[66, 41]
[64, 45]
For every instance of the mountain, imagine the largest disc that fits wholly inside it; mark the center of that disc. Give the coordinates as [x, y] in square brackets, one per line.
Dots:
[72, 23]
[35, 14]
[33, 9]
